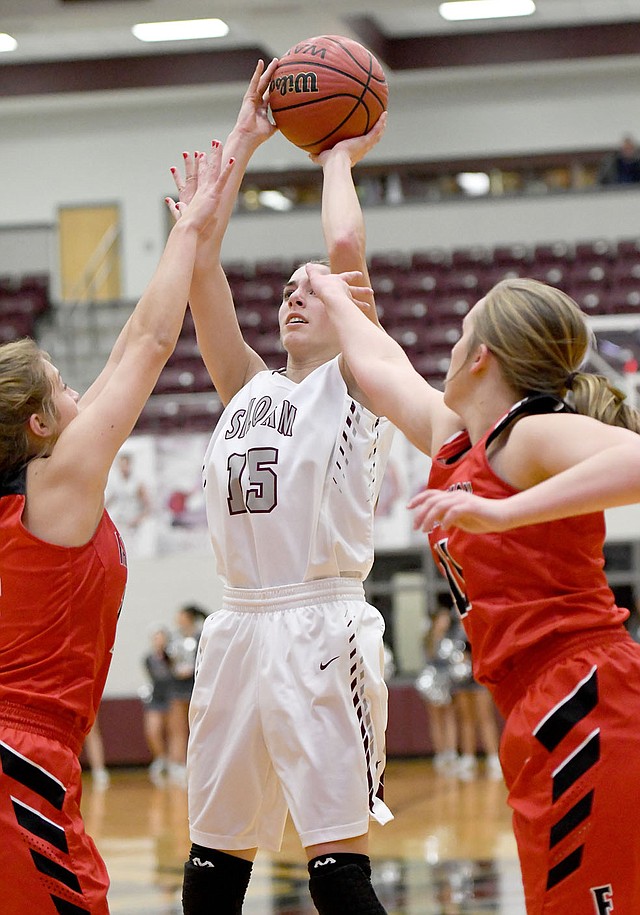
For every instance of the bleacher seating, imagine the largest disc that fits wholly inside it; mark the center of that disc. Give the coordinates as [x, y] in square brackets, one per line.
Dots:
[552, 253]
[422, 298]
[511, 256]
[475, 256]
[600, 249]
[552, 272]
[430, 257]
[593, 300]
[23, 299]
[628, 249]
[388, 261]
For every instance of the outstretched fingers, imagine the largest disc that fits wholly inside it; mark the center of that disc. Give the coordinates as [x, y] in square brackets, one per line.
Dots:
[173, 208]
[262, 87]
[259, 82]
[190, 166]
[215, 173]
[209, 166]
[186, 183]
[209, 175]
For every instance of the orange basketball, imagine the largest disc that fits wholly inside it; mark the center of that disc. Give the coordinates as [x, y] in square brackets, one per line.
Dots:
[327, 89]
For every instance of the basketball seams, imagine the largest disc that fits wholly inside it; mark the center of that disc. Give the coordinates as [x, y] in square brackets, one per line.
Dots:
[327, 98]
[338, 126]
[346, 50]
[349, 53]
[335, 129]
[340, 98]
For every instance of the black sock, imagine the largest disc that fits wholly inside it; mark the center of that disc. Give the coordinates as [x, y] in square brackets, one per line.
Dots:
[214, 882]
[341, 883]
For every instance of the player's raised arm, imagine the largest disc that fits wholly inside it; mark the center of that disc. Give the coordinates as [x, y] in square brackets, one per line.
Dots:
[229, 360]
[342, 219]
[382, 371]
[67, 489]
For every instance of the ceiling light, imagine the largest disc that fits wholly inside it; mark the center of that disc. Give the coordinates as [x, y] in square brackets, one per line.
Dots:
[180, 30]
[458, 10]
[7, 43]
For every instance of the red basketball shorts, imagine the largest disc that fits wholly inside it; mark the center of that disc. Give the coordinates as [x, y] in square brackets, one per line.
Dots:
[48, 864]
[571, 757]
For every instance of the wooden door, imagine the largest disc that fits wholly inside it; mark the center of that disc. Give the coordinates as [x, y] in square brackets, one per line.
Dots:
[89, 253]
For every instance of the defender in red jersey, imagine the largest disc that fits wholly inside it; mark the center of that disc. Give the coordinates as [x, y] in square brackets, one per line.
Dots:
[528, 451]
[63, 574]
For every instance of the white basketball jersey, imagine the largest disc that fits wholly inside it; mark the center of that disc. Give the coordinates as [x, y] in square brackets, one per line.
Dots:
[291, 477]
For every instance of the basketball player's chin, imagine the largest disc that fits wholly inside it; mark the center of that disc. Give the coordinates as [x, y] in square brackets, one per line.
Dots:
[304, 335]
[306, 354]
[294, 336]
[446, 395]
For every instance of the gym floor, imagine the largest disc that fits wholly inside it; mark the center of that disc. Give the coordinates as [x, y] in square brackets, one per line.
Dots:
[449, 850]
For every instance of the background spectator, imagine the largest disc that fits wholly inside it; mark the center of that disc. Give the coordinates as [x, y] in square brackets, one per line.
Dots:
[156, 696]
[182, 650]
[434, 685]
[623, 165]
[94, 748]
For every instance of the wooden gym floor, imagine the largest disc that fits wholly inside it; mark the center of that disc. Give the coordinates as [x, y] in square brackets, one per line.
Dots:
[449, 850]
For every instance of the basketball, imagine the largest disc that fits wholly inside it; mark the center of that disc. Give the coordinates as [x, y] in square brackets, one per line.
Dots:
[327, 89]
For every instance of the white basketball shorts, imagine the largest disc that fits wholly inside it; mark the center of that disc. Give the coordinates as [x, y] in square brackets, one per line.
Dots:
[289, 711]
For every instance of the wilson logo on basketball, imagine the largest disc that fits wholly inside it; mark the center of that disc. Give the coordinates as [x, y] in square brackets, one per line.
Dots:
[305, 48]
[294, 82]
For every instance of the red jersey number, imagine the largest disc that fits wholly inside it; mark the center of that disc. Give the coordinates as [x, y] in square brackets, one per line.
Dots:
[452, 571]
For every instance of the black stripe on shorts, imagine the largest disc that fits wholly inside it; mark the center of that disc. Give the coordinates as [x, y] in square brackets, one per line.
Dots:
[56, 871]
[63, 907]
[565, 868]
[568, 712]
[579, 762]
[571, 820]
[38, 825]
[32, 776]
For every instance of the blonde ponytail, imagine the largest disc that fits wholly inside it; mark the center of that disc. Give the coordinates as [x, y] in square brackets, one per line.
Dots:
[595, 395]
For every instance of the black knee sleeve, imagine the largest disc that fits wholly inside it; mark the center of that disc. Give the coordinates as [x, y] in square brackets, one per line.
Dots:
[341, 883]
[215, 883]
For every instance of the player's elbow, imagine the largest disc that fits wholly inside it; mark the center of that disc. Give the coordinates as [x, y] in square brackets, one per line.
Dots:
[347, 250]
[158, 345]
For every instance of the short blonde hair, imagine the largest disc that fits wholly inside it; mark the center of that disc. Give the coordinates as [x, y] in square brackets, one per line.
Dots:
[25, 389]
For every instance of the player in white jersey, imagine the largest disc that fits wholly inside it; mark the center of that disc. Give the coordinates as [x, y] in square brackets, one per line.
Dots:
[303, 466]
[289, 707]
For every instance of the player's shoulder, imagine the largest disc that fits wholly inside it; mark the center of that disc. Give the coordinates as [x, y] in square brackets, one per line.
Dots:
[534, 431]
[553, 423]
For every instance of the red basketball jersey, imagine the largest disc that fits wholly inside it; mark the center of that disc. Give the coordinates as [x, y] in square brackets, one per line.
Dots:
[58, 613]
[516, 588]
